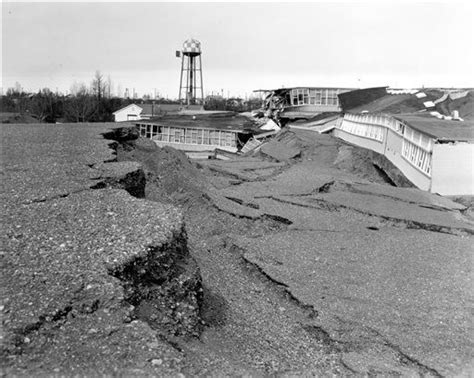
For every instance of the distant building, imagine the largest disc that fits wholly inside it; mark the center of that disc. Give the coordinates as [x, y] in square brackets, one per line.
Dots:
[135, 112]
[435, 155]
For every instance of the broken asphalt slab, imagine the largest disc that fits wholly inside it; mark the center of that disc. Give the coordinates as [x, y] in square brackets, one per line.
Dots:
[405, 292]
[68, 251]
[307, 185]
[280, 151]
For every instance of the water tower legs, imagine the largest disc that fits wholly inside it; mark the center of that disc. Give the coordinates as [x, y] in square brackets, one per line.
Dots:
[191, 90]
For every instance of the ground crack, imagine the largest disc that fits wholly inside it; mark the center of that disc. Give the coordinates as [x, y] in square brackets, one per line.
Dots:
[309, 310]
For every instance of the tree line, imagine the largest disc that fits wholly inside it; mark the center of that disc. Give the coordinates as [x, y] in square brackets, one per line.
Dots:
[93, 103]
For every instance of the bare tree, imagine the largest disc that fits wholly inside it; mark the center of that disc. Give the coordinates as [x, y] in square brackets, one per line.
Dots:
[40, 105]
[80, 106]
[98, 85]
[109, 87]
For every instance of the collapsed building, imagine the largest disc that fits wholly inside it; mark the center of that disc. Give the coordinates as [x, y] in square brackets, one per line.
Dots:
[285, 104]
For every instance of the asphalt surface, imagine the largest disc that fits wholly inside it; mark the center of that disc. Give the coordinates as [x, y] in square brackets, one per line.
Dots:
[64, 249]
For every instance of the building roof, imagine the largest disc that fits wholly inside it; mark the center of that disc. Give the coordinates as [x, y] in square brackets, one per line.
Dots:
[353, 99]
[149, 109]
[442, 130]
[228, 122]
[373, 100]
[281, 90]
[387, 102]
[125, 107]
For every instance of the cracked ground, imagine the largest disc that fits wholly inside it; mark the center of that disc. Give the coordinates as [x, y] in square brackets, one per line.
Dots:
[310, 265]
[317, 266]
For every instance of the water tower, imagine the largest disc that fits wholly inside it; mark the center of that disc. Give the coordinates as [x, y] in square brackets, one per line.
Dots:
[190, 85]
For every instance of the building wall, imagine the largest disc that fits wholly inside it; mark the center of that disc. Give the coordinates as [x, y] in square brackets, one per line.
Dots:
[453, 170]
[391, 148]
[314, 96]
[189, 139]
[129, 113]
[313, 108]
[371, 144]
[409, 151]
[393, 152]
[193, 147]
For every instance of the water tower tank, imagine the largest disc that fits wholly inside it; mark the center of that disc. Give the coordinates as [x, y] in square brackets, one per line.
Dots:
[192, 47]
[191, 91]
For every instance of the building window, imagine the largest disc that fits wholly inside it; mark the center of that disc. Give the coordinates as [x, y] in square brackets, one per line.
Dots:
[199, 136]
[318, 97]
[205, 138]
[417, 149]
[363, 129]
[312, 96]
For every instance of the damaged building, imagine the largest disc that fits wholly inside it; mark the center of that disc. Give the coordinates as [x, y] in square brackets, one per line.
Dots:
[434, 152]
[285, 104]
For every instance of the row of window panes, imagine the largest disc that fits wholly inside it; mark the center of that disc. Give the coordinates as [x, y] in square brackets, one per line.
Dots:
[417, 156]
[189, 136]
[418, 138]
[306, 96]
[367, 131]
[375, 119]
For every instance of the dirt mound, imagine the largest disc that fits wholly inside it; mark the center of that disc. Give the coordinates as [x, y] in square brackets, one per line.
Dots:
[170, 173]
[370, 166]
[334, 153]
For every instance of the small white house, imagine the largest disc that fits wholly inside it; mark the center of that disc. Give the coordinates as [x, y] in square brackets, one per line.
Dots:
[131, 112]
[135, 112]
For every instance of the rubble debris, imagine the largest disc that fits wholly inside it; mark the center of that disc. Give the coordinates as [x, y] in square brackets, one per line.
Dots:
[251, 145]
[270, 125]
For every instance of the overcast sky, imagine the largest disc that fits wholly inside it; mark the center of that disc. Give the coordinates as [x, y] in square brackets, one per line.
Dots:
[245, 46]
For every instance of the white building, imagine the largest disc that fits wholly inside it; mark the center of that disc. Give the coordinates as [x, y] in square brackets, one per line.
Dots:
[435, 155]
[136, 112]
[192, 136]
[131, 112]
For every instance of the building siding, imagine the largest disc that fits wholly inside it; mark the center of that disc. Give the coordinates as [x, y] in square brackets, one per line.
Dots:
[393, 153]
[129, 113]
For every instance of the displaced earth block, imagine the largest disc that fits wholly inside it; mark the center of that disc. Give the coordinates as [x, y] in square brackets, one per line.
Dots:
[119, 257]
